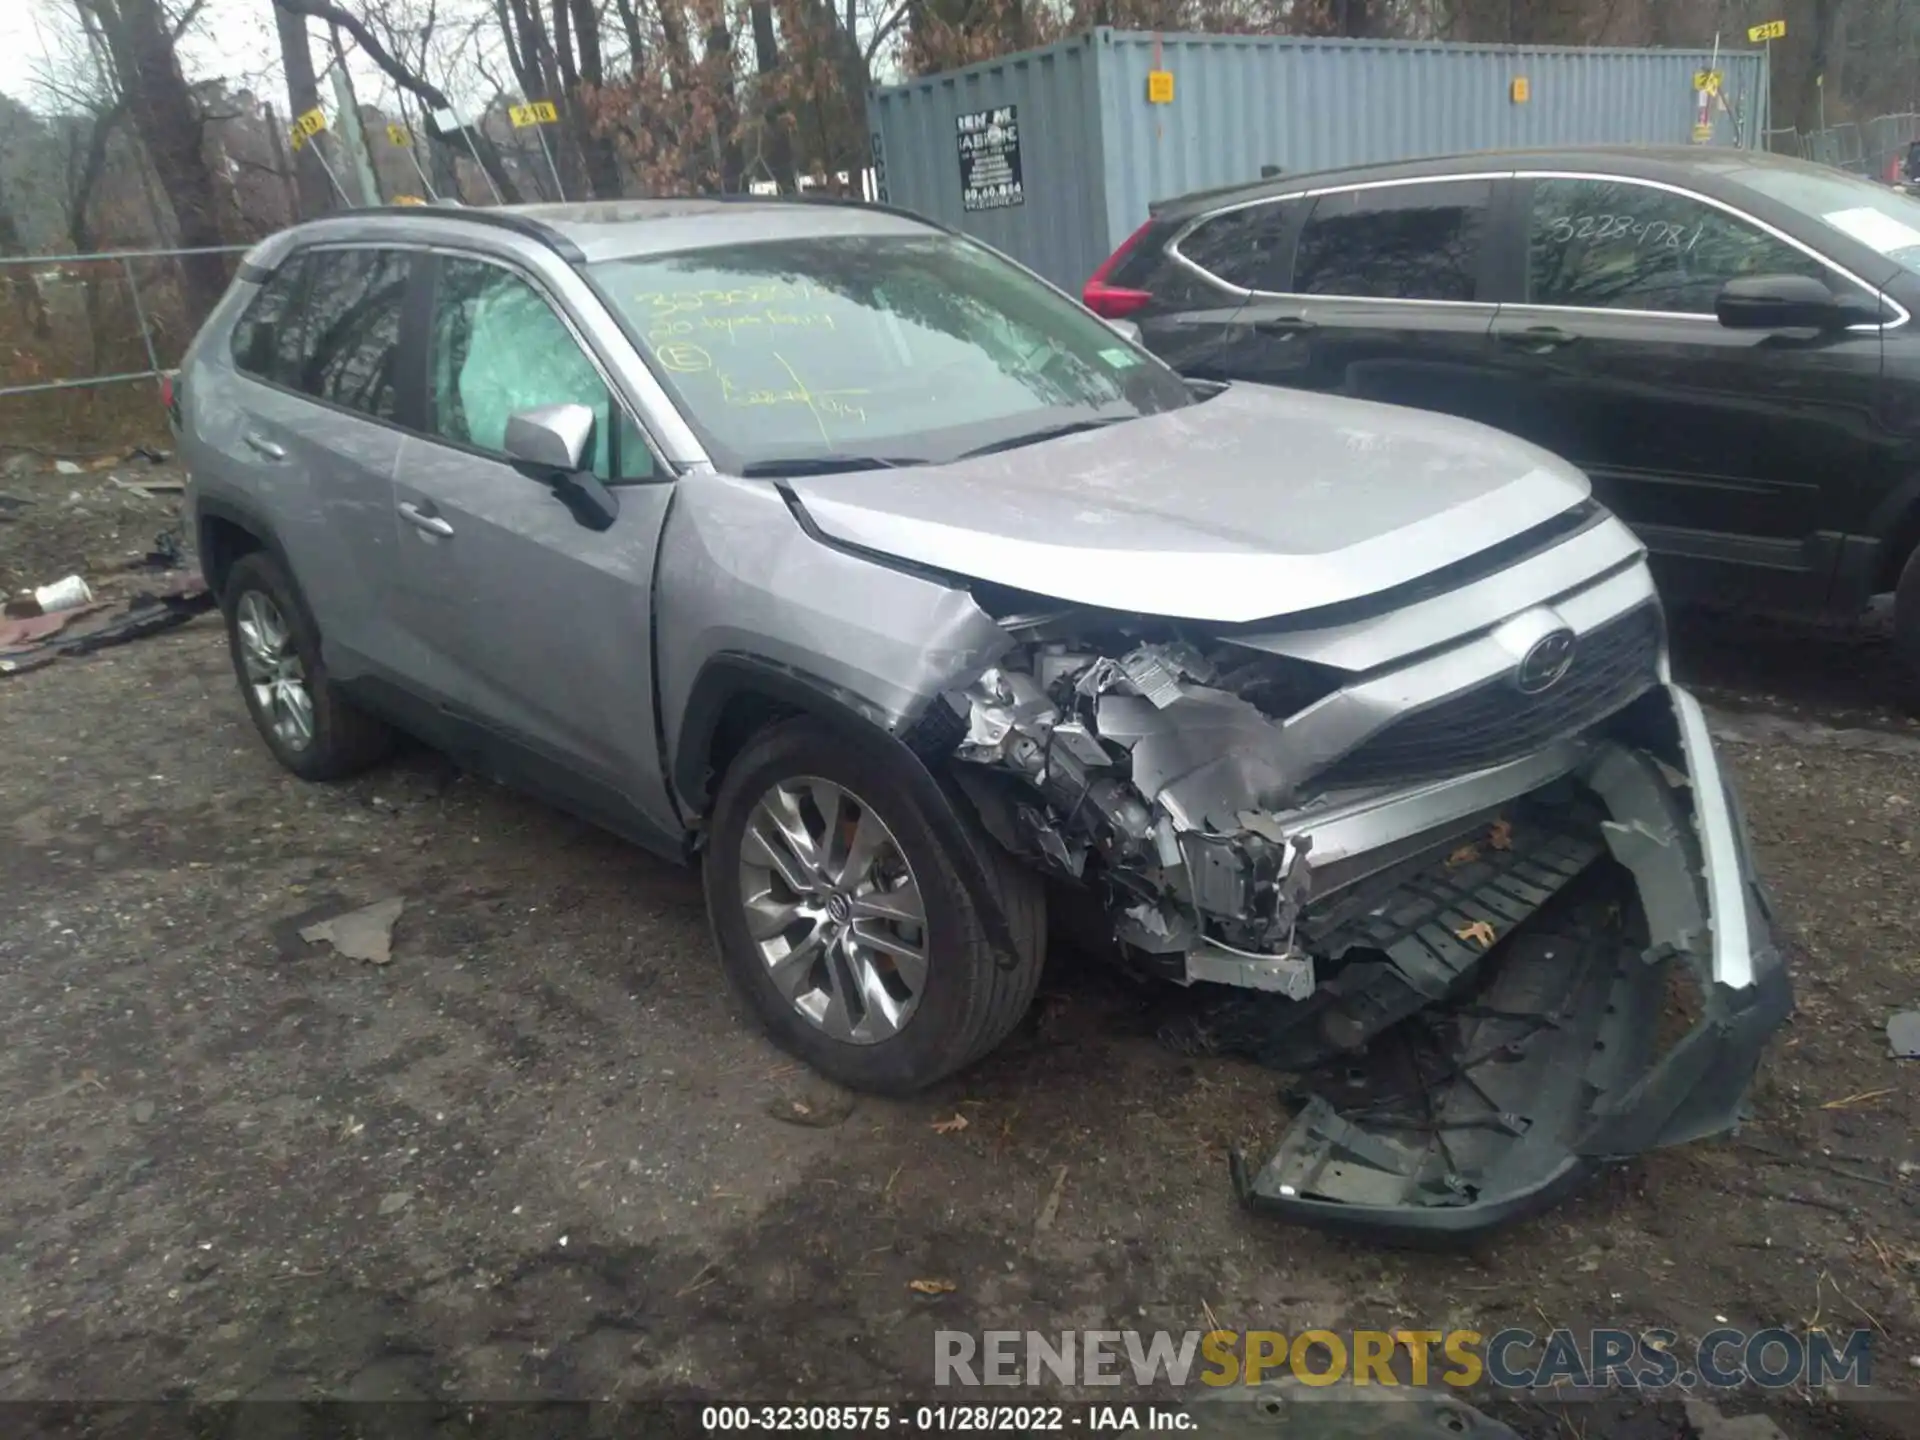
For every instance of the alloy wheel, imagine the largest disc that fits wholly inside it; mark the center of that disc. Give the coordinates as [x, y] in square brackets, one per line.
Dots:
[274, 670]
[834, 909]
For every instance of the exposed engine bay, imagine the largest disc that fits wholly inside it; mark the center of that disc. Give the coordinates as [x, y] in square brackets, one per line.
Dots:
[1361, 901]
[1163, 775]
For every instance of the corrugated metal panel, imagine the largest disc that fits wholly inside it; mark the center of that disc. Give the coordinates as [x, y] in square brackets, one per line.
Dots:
[1061, 227]
[1096, 153]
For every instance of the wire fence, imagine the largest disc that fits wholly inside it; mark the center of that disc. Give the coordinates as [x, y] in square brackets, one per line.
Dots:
[1875, 149]
[116, 316]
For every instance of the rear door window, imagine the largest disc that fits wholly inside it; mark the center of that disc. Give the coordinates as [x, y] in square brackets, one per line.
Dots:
[1614, 245]
[352, 331]
[1245, 246]
[266, 342]
[1395, 242]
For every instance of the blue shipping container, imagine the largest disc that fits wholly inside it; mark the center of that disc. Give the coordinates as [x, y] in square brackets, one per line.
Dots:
[1054, 155]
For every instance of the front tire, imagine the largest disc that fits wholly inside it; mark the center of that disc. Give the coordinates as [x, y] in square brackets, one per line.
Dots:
[843, 924]
[308, 725]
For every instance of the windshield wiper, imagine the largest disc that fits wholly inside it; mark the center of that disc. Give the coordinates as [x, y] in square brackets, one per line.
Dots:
[823, 465]
[1048, 432]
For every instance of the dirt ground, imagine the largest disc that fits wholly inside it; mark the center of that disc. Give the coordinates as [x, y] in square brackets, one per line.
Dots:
[540, 1154]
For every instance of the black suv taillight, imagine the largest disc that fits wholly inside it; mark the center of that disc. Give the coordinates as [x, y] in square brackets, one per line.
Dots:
[1115, 302]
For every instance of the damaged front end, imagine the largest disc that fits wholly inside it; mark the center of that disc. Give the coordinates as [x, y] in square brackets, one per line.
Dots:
[1468, 853]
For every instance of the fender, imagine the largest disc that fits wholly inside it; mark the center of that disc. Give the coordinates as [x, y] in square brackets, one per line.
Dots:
[732, 673]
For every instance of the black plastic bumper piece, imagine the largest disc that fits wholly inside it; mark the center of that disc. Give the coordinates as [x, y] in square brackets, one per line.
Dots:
[1473, 1116]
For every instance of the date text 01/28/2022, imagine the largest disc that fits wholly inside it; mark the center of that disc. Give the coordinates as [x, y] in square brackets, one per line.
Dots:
[936, 1419]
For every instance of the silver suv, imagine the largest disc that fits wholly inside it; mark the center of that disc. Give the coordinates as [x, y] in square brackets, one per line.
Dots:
[837, 551]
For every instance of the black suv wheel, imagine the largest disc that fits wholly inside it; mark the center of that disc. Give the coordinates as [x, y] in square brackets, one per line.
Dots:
[842, 923]
[307, 724]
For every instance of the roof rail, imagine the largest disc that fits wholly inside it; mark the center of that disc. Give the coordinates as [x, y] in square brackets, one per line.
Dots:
[850, 201]
[501, 219]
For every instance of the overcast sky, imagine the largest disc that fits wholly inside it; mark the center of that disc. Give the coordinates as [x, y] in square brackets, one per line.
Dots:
[233, 40]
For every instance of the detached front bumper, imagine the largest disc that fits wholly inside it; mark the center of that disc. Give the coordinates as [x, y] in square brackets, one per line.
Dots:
[1595, 1030]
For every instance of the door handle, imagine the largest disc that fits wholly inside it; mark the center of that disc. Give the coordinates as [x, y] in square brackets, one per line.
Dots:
[1538, 337]
[421, 520]
[260, 445]
[1284, 327]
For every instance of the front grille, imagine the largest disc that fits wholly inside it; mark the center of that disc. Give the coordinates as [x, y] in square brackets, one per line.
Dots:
[1495, 722]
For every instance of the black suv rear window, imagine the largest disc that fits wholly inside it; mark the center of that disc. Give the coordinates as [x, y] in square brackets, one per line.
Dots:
[1243, 247]
[1395, 242]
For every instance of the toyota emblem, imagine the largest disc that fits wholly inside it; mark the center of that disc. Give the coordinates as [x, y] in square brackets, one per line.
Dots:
[1546, 662]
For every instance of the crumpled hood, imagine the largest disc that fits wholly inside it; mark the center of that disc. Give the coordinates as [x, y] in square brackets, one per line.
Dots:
[1259, 502]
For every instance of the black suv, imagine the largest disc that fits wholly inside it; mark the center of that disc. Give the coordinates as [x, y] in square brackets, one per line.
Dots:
[1722, 339]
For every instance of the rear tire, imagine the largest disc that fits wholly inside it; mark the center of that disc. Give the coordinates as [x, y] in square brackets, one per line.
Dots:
[1906, 635]
[842, 921]
[308, 725]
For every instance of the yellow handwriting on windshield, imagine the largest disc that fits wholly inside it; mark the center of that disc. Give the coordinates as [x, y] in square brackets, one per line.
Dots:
[823, 404]
[656, 304]
[730, 327]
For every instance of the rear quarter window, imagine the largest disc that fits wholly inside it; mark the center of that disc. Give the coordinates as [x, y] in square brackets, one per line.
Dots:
[1244, 247]
[267, 340]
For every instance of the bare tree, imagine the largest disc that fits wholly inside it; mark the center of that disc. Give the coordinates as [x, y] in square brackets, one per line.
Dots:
[408, 79]
[139, 40]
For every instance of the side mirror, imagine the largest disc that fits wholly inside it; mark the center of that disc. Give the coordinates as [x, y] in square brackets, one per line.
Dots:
[551, 437]
[1788, 302]
[1127, 330]
[552, 442]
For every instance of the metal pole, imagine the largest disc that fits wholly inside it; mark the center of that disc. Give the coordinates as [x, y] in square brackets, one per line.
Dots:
[419, 169]
[540, 133]
[321, 155]
[1769, 84]
[140, 313]
[485, 174]
[352, 137]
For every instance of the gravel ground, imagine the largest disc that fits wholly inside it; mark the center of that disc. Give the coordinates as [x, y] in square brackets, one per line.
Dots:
[540, 1154]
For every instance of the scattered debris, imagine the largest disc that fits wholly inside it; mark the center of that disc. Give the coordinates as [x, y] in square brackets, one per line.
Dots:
[11, 503]
[1288, 1408]
[949, 1127]
[166, 553]
[1903, 1034]
[69, 592]
[142, 1111]
[814, 1110]
[932, 1287]
[1480, 932]
[1501, 836]
[1846, 1102]
[364, 934]
[66, 467]
[150, 455]
[1051, 1207]
[399, 1200]
[163, 489]
[28, 642]
[1707, 1423]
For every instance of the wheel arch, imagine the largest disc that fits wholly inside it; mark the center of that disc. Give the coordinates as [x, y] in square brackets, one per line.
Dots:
[736, 696]
[223, 532]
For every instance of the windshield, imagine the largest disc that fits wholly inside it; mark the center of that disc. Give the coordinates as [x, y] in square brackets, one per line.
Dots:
[1880, 218]
[882, 350]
